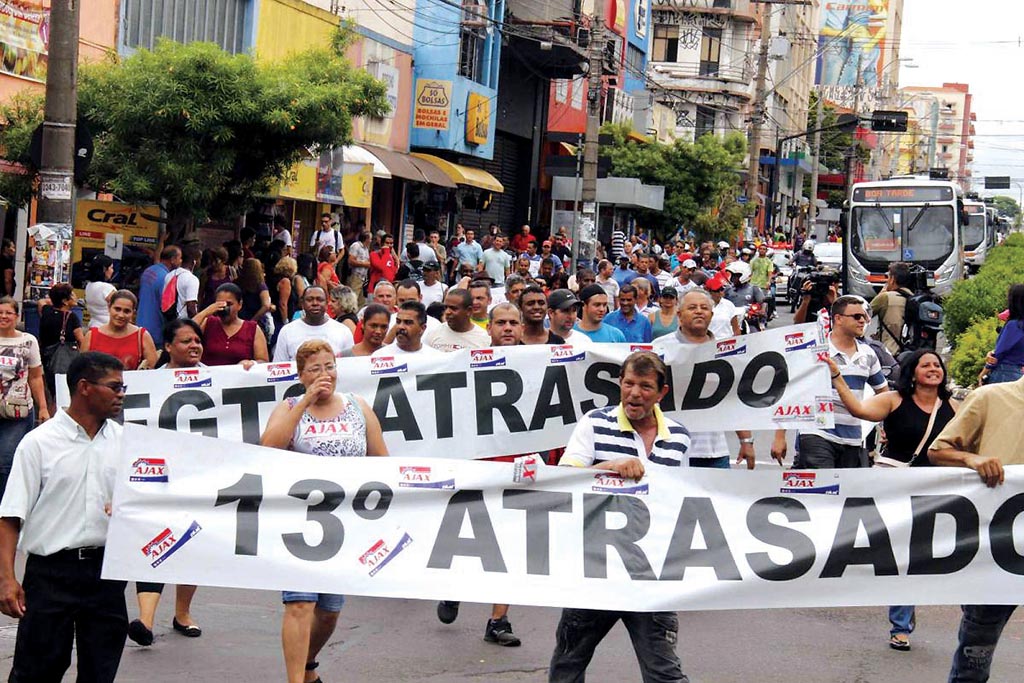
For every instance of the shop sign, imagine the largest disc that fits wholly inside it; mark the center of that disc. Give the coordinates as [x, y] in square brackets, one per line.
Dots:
[24, 38]
[478, 119]
[433, 104]
[124, 232]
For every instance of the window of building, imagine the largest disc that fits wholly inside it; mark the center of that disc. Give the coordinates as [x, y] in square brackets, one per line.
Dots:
[472, 36]
[710, 51]
[666, 43]
[723, 3]
[634, 62]
[221, 22]
[705, 121]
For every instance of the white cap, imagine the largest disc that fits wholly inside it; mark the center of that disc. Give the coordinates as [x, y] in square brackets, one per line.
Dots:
[689, 263]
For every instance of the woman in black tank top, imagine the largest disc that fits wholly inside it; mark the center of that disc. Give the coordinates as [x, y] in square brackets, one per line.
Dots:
[906, 413]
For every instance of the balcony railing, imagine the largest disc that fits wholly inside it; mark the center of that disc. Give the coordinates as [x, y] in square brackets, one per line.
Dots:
[709, 70]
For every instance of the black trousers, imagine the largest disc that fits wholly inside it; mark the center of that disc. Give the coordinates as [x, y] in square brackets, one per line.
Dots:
[66, 602]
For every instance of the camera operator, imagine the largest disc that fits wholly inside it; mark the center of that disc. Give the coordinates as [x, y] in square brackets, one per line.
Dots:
[817, 294]
[891, 304]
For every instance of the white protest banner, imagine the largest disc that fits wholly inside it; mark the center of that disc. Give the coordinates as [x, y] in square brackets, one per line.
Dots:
[505, 401]
[187, 510]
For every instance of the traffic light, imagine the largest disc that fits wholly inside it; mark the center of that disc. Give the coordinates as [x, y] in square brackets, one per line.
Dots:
[889, 121]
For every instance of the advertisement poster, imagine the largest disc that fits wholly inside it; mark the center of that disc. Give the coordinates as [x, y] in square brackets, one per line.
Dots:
[24, 38]
[433, 103]
[125, 232]
[852, 44]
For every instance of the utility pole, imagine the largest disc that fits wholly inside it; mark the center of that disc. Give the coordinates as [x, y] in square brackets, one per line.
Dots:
[812, 209]
[57, 167]
[758, 113]
[595, 56]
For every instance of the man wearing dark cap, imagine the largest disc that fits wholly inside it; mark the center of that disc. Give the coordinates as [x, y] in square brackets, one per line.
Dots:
[623, 274]
[563, 307]
[594, 309]
[432, 289]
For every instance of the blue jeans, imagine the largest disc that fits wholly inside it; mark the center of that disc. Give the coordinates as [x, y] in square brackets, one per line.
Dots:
[654, 636]
[325, 602]
[1004, 373]
[902, 619]
[980, 629]
[719, 463]
[11, 434]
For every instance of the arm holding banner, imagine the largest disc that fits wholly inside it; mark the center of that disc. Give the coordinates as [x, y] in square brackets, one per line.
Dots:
[746, 447]
[954, 445]
[873, 409]
[779, 446]
[12, 596]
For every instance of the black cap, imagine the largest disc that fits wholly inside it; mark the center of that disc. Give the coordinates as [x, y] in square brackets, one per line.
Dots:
[590, 291]
[431, 265]
[669, 292]
[560, 299]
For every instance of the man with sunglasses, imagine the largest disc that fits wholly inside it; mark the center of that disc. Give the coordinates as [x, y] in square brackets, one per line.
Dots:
[841, 446]
[58, 502]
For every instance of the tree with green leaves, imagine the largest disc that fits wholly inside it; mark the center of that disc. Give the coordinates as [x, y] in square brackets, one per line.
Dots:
[206, 133]
[700, 179]
[1007, 206]
[18, 118]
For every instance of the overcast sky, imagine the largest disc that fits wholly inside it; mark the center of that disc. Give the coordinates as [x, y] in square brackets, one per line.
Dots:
[978, 43]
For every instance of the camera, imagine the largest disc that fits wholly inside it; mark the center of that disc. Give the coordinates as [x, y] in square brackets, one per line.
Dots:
[821, 280]
[920, 275]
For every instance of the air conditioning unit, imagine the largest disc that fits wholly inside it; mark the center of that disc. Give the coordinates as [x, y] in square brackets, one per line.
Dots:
[583, 37]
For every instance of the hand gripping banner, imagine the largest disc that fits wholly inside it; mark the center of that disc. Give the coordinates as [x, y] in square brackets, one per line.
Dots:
[501, 401]
[187, 510]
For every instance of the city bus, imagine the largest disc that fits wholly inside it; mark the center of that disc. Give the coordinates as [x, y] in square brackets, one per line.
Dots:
[979, 234]
[915, 220]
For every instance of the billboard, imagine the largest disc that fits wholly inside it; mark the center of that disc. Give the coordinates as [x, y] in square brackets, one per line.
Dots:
[852, 46]
[24, 39]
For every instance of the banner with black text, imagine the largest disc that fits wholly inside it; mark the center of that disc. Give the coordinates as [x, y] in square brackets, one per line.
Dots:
[504, 401]
[187, 510]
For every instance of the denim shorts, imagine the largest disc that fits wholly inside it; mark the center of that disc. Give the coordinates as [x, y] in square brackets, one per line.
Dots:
[327, 602]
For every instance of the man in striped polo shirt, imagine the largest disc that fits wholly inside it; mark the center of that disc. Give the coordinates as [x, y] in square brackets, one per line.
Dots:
[623, 439]
[843, 445]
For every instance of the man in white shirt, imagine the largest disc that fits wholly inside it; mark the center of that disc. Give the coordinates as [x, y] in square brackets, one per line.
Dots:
[188, 284]
[458, 331]
[607, 282]
[281, 231]
[563, 310]
[683, 283]
[432, 289]
[497, 261]
[726, 320]
[314, 324]
[58, 501]
[327, 235]
[410, 324]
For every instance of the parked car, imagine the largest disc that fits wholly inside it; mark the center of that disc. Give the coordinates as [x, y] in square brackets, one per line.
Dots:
[783, 260]
[829, 254]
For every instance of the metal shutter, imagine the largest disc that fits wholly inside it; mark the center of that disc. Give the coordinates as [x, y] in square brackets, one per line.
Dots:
[510, 166]
[185, 21]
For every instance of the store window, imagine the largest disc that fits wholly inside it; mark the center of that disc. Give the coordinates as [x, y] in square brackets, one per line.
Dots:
[705, 121]
[666, 43]
[214, 21]
[710, 51]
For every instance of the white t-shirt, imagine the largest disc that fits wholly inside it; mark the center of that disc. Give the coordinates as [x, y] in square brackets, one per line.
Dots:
[96, 294]
[393, 349]
[496, 263]
[444, 338]
[188, 289]
[326, 238]
[285, 236]
[297, 331]
[433, 293]
[721, 321]
[577, 338]
[610, 287]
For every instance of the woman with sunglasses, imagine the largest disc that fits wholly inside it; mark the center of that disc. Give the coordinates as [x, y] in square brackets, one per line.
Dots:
[912, 417]
[325, 423]
[183, 348]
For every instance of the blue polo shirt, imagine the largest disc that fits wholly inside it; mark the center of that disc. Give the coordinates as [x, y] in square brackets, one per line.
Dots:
[638, 330]
[605, 334]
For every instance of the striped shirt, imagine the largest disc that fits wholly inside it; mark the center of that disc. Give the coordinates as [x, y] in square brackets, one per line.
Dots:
[606, 434]
[859, 370]
[618, 243]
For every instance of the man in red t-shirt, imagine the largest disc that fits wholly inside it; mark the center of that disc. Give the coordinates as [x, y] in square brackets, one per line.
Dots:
[383, 262]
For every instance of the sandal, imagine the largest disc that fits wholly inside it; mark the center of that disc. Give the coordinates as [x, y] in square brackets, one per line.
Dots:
[190, 631]
[900, 641]
[311, 666]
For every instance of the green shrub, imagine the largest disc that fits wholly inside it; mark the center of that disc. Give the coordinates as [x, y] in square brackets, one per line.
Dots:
[984, 295]
[969, 355]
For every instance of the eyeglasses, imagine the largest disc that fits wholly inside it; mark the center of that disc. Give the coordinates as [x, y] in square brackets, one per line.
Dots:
[859, 317]
[116, 387]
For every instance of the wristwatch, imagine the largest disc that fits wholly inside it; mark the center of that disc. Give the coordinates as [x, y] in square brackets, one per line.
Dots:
[747, 440]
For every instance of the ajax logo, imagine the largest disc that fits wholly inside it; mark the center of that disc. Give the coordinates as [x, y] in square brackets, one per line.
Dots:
[806, 482]
[382, 552]
[281, 372]
[609, 482]
[149, 470]
[385, 365]
[729, 347]
[189, 379]
[566, 354]
[798, 340]
[420, 477]
[486, 358]
[166, 543]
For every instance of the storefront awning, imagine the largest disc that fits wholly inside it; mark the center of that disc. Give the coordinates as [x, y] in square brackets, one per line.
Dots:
[628, 192]
[354, 154]
[399, 163]
[464, 175]
[431, 173]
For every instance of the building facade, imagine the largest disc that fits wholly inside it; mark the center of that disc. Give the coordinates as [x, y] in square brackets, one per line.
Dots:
[947, 118]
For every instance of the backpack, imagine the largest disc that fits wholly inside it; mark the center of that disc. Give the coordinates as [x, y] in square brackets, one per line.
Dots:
[169, 299]
[923, 320]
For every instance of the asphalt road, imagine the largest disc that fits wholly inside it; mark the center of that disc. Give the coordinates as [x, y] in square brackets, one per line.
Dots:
[381, 640]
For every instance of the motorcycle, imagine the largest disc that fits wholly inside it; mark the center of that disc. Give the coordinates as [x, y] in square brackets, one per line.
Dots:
[754, 318]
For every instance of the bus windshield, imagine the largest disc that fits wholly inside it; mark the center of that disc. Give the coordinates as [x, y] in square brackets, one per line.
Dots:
[882, 234]
[974, 232]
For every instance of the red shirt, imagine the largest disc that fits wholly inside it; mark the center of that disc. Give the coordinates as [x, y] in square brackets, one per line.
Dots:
[220, 349]
[383, 266]
[520, 242]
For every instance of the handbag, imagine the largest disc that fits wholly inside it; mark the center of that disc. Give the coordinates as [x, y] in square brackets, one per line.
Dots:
[57, 357]
[882, 461]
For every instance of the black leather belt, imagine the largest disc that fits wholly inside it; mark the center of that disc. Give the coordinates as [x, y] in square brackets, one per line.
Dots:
[75, 554]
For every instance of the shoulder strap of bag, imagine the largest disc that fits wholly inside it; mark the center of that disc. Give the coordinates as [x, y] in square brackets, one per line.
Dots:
[64, 326]
[928, 429]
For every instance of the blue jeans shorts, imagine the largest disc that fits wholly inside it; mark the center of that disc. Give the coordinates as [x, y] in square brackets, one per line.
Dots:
[325, 602]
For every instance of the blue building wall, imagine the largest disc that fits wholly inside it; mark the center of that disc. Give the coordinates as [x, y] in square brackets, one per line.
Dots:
[639, 32]
[436, 59]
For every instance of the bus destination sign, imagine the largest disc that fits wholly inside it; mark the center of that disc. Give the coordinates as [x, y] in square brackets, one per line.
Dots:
[902, 194]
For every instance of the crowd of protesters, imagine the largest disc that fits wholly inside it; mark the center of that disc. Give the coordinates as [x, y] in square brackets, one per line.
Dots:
[333, 296]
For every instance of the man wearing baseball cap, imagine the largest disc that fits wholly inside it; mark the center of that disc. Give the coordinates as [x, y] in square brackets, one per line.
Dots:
[594, 309]
[683, 283]
[563, 307]
[432, 289]
[623, 274]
